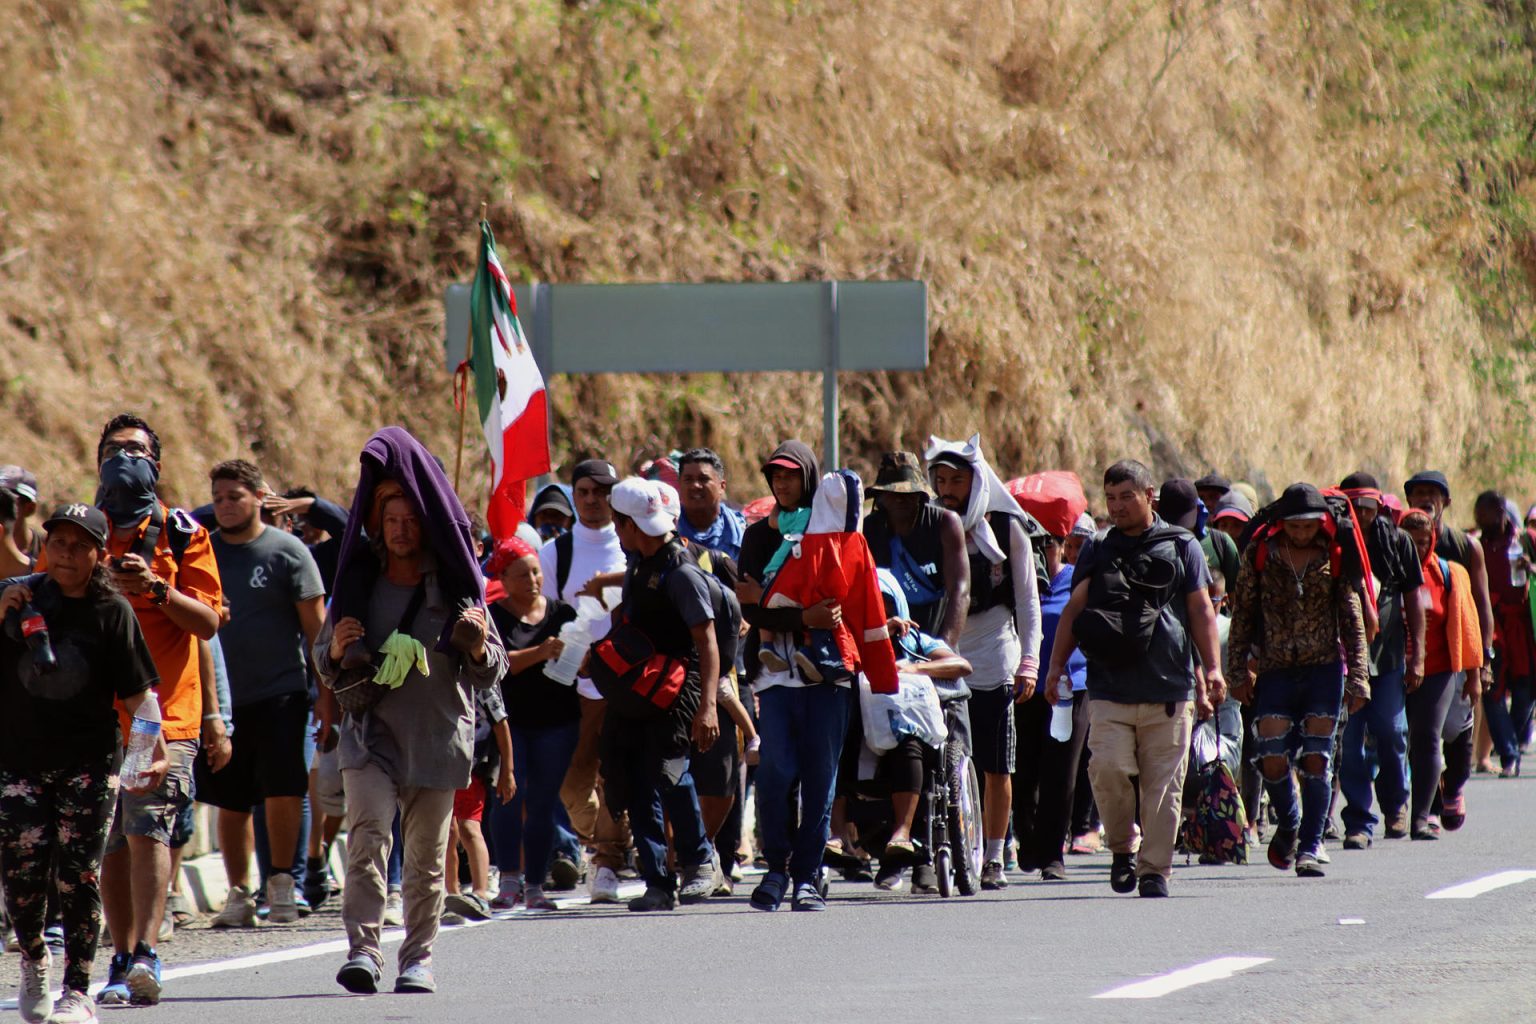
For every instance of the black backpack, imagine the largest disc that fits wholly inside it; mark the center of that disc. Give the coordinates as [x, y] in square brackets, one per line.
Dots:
[1127, 594]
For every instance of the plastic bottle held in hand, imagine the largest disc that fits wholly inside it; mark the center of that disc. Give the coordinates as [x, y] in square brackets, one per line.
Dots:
[577, 640]
[141, 740]
[1061, 714]
[1516, 570]
[28, 624]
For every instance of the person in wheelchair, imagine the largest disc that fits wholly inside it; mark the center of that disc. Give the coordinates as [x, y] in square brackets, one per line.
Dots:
[885, 791]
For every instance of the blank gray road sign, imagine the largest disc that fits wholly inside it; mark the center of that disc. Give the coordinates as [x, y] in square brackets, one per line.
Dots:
[717, 328]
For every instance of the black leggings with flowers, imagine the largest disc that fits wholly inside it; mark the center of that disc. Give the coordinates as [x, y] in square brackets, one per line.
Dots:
[57, 817]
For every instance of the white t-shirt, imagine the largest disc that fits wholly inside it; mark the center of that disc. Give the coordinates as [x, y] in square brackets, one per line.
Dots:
[593, 552]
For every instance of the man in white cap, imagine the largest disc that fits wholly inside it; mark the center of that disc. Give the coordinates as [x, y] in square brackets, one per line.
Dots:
[646, 738]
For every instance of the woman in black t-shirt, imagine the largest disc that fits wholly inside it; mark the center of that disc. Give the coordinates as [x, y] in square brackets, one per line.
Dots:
[545, 719]
[60, 745]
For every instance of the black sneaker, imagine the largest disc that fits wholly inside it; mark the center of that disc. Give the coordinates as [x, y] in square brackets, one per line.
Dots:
[769, 893]
[1152, 886]
[1054, 872]
[655, 898]
[925, 879]
[992, 876]
[317, 882]
[1282, 849]
[564, 874]
[1122, 872]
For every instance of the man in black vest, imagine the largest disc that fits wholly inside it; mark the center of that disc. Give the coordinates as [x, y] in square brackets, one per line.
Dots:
[1141, 709]
[922, 544]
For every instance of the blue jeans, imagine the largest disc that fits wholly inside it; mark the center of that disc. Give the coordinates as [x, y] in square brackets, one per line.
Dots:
[1299, 697]
[803, 730]
[1387, 722]
[526, 827]
[1510, 724]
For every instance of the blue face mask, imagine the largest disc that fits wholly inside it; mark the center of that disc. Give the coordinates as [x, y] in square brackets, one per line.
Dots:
[127, 491]
[549, 531]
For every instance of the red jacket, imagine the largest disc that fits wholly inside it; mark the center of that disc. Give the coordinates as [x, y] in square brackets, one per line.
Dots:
[838, 565]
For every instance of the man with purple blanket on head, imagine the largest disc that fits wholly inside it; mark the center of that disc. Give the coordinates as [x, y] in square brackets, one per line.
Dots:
[411, 590]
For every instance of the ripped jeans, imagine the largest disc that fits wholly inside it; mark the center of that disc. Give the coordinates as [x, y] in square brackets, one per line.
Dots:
[1294, 716]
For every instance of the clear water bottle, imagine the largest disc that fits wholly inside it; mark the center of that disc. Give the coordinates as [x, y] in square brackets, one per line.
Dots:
[1516, 570]
[1061, 714]
[142, 736]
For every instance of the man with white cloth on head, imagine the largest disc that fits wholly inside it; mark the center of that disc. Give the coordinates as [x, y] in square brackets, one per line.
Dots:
[1002, 632]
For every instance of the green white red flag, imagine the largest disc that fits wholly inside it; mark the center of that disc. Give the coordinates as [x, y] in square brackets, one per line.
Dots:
[509, 390]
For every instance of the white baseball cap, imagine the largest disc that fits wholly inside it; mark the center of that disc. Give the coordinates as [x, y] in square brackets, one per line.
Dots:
[652, 504]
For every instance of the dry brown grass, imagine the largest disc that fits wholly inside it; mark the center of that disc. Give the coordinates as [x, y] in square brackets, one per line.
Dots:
[1146, 227]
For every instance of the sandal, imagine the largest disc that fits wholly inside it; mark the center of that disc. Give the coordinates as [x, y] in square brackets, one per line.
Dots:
[180, 909]
[898, 852]
[1453, 813]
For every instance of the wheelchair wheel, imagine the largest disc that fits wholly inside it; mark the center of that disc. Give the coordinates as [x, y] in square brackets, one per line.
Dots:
[966, 839]
[944, 868]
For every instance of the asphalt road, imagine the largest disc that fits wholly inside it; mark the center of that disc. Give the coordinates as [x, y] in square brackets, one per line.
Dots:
[1363, 944]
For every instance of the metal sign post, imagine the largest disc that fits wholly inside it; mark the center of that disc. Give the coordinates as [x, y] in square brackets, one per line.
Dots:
[718, 328]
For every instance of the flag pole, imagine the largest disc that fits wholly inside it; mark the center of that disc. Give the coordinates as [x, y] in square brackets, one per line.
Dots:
[463, 394]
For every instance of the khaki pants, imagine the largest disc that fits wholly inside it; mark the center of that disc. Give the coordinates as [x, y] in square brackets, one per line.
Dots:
[1140, 746]
[372, 797]
[582, 794]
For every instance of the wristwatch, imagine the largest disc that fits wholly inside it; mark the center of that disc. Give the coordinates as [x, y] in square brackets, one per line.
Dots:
[159, 592]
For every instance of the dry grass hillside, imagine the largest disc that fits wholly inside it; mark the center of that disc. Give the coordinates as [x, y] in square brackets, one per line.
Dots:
[1278, 238]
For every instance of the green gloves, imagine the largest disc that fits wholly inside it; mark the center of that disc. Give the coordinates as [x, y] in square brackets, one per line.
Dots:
[400, 651]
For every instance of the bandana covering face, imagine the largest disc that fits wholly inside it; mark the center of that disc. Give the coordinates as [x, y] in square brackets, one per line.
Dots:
[127, 491]
[988, 493]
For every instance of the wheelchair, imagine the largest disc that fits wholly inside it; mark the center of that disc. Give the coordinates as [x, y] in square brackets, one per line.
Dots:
[947, 830]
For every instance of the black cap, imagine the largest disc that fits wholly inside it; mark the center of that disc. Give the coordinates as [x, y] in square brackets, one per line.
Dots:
[551, 497]
[599, 471]
[87, 517]
[1212, 482]
[1301, 501]
[1430, 477]
[1178, 503]
[1361, 481]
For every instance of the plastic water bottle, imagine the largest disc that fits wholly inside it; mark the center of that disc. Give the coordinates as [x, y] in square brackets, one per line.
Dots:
[141, 740]
[577, 641]
[1516, 570]
[1061, 714]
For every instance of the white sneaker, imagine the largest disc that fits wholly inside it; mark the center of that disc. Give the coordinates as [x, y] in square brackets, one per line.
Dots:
[33, 998]
[605, 886]
[284, 909]
[239, 910]
[394, 910]
[74, 1008]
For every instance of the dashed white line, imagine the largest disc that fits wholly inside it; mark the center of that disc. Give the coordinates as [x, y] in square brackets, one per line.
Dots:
[1211, 970]
[1478, 886]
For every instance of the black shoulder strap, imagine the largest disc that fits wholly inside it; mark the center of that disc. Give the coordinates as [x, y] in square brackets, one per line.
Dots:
[418, 596]
[145, 548]
[565, 552]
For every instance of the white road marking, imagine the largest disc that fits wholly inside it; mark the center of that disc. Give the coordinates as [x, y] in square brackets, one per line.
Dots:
[1212, 970]
[334, 946]
[1478, 886]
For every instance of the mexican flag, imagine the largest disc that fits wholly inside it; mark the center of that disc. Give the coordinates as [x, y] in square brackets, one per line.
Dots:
[509, 390]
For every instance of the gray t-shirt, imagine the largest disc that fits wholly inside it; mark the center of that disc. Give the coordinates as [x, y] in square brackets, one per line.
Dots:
[263, 643]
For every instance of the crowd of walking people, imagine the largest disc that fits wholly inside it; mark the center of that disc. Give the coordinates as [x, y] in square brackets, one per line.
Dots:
[650, 678]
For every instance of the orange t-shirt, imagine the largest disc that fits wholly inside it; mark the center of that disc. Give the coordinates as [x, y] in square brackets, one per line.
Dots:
[174, 649]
